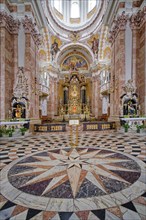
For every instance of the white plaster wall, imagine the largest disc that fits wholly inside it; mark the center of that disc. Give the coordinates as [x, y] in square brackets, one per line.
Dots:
[21, 47]
[128, 53]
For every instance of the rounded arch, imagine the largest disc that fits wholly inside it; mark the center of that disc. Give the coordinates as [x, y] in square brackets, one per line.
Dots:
[75, 48]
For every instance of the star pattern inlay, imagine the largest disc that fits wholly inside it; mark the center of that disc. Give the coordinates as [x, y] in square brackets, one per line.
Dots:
[75, 166]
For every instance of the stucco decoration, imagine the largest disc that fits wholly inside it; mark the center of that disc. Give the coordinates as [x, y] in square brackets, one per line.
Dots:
[21, 87]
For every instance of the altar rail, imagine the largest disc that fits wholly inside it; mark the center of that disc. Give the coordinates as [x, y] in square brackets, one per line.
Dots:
[98, 126]
[62, 127]
[49, 127]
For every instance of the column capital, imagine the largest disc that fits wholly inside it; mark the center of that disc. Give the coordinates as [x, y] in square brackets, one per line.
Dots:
[31, 28]
[119, 25]
[8, 22]
[137, 19]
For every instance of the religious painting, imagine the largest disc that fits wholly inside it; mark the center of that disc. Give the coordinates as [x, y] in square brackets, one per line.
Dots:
[107, 53]
[55, 44]
[42, 55]
[74, 63]
[56, 40]
[94, 43]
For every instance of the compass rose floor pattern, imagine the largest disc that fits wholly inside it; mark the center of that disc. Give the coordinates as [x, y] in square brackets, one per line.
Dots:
[43, 178]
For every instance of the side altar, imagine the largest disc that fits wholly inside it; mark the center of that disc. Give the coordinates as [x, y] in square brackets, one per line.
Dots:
[133, 122]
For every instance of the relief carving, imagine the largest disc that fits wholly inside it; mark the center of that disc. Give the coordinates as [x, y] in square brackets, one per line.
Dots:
[129, 87]
[74, 36]
[21, 88]
[129, 100]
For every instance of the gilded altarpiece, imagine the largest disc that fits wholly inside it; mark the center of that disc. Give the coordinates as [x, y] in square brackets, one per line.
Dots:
[74, 101]
[74, 96]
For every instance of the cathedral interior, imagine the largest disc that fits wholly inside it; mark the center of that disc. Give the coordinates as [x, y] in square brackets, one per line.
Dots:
[73, 109]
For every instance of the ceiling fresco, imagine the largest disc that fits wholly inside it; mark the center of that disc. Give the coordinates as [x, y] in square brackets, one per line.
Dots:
[74, 62]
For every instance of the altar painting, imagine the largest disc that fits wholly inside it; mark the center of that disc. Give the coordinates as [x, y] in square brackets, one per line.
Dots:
[74, 62]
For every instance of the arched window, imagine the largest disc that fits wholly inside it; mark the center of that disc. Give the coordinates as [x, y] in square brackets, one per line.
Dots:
[75, 9]
[91, 4]
[58, 5]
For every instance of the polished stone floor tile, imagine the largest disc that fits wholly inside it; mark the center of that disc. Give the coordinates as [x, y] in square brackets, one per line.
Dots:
[44, 178]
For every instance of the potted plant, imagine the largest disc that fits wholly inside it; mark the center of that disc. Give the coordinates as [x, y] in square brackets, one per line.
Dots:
[126, 126]
[138, 127]
[2, 131]
[10, 131]
[23, 130]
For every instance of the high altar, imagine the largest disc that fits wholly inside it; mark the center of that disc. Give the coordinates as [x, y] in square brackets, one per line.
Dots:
[74, 100]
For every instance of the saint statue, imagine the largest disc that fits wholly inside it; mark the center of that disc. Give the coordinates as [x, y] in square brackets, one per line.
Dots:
[18, 111]
[131, 109]
[95, 45]
[54, 49]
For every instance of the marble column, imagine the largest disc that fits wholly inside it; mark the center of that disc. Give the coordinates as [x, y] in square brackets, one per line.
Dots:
[30, 73]
[8, 61]
[112, 80]
[138, 27]
[32, 42]
[118, 64]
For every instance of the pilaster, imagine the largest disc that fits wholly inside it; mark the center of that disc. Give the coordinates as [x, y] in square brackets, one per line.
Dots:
[32, 41]
[9, 60]
[118, 63]
[138, 27]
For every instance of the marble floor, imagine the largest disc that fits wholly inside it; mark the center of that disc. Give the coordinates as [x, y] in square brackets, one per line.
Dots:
[44, 178]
